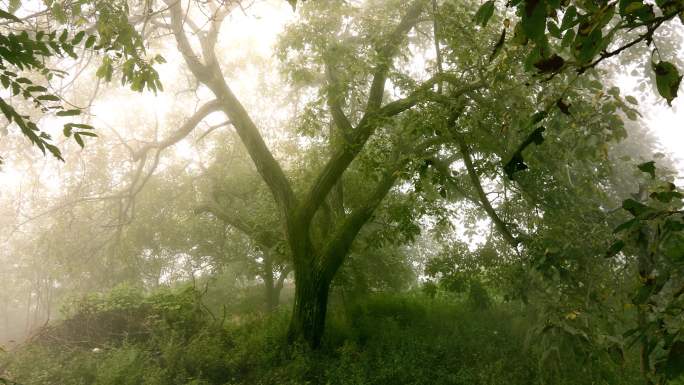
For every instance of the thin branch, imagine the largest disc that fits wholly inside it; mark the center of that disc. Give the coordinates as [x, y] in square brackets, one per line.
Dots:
[182, 131]
[484, 200]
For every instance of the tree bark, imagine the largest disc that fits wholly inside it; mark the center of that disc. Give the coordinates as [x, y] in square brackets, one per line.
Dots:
[310, 306]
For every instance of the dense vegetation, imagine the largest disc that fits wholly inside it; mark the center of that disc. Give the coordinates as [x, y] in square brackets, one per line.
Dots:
[367, 192]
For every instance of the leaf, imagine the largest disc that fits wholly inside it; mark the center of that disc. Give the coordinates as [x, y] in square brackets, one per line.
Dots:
[648, 167]
[586, 47]
[90, 41]
[498, 45]
[14, 5]
[293, 4]
[63, 36]
[69, 113]
[534, 19]
[674, 366]
[48, 98]
[79, 140]
[484, 13]
[36, 89]
[78, 38]
[569, 18]
[631, 99]
[667, 80]
[674, 225]
[9, 16]
[636, 208]
[642, 295]
[627, 225]
[615, 248]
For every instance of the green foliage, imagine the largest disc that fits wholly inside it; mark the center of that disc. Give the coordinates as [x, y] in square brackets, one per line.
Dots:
[26, 52]
[578, 34]
[379, 339]
[654, 237]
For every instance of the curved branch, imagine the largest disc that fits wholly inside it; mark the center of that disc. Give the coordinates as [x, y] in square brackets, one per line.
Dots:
[211, 76]
[182, 131]
[482, 196]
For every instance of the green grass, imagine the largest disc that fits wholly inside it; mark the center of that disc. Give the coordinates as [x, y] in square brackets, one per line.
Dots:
[380, 339]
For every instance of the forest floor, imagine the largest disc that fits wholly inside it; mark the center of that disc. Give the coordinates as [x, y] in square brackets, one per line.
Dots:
[170, 338]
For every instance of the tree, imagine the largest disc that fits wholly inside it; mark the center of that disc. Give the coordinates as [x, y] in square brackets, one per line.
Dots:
[315, 262]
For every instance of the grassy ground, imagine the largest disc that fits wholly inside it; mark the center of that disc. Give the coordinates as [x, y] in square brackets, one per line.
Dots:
[381, 339]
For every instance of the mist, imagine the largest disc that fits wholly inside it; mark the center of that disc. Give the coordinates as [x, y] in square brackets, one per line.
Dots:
[341, 192]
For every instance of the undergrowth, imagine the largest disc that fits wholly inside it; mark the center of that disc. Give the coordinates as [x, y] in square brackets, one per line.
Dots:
[170, 338]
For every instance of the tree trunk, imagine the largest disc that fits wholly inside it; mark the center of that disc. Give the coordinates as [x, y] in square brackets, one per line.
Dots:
[269, 286]
[310, 306]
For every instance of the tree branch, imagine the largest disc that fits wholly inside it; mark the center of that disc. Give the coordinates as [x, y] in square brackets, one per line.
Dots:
[264, 238]
[211, 75]
[338, 247]
[343, 156]
[342, 240]
[482, 196]
[334, 101]
[182, 131]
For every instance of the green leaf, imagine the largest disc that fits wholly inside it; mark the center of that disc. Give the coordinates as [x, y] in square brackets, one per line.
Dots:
[666, 196]
[649, 168]
[636, 208]
[78, 38]
[667, 80]
[534, 19]
[674, 366]
[69, 113]
[8, 16]
[631, 99]
[586, 47]
[36, 89]
[615, 248]
[627, 225]
[569, 18]
[48, 98]
[90, 41]
[484, 13]
[63, 36]
[79, 140]
[642, 295]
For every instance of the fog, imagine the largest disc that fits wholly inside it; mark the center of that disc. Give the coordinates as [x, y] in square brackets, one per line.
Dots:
[289, 187]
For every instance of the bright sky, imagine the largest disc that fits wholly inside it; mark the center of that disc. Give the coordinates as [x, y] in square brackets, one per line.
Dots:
[668, 124]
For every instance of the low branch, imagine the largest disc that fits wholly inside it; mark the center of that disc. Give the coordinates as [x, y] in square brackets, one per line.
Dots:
[341, 242]
[263, 238]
